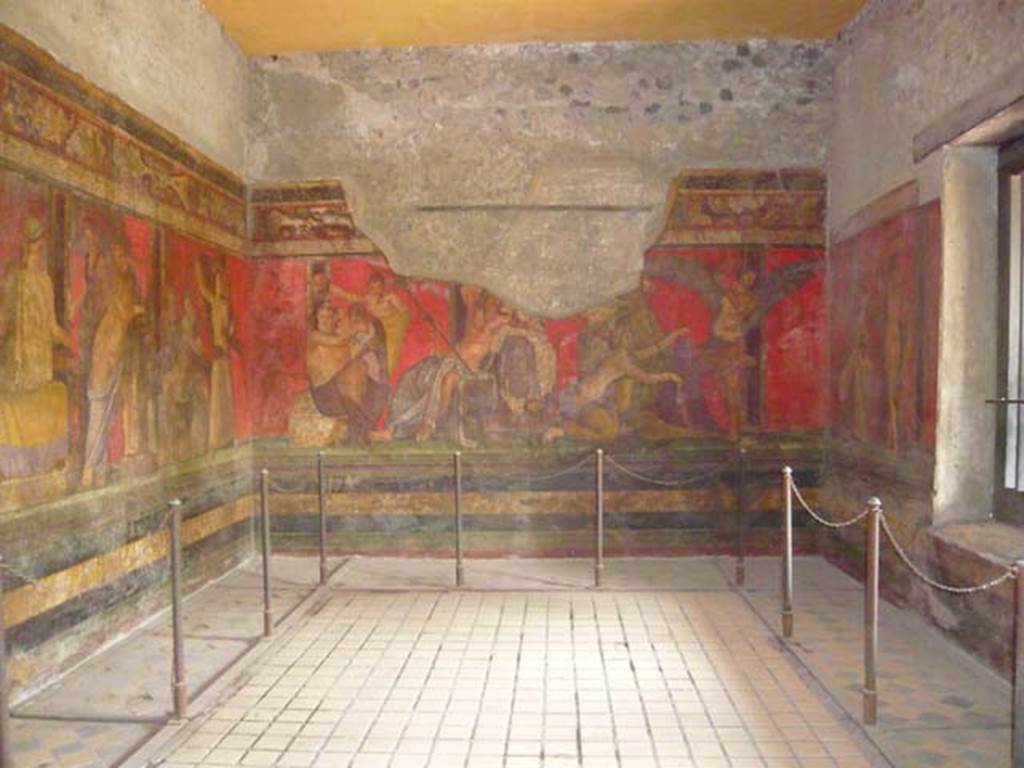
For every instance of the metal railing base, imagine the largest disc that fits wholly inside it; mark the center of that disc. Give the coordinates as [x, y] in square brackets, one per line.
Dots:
[870, 707]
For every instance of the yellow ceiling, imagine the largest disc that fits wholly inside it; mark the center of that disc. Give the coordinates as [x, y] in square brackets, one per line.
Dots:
[264, 27]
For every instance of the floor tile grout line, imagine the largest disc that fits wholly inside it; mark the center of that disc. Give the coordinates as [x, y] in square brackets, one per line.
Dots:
[192, 726]
[487, 676]
[735, 589]
[575, 681]
[433, 665]
[437, 600]
[283, 706]
[636, 680]
[705, 654]
[544, 678]
[515, 679]
[819, 687]
[458, 597]
[594, 602]
[292, 699]
[675, 709]
[455, 678]
[249, 644]
[765, 662]
[327, 655]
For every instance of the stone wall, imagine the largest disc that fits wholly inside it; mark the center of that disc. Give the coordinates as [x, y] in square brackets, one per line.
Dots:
[899, 66]
[539, 172]
[169, 60]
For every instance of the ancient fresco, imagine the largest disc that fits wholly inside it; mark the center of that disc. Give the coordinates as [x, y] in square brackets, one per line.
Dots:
[203, 314]
[61, 127]
[724, 338]
[34, 336]
[111, 258]
[884, 331]
[118, 344]
[718, 207]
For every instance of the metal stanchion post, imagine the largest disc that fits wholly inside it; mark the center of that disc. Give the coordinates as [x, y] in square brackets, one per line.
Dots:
[871, 612]
[458, 518]
[268, 618]
[787, 552]
[178, 687]
[6, 759]
[322, 508]
[599, 511]
[741, 538]
[1017, 755]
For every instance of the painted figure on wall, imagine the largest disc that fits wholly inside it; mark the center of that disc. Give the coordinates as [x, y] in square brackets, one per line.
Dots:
[383, 304]
[698, 350]
[222, 400]
[593, 407]
[508, 394]
[347, 366]
[184, 390]
[492, 374]
[884, 326]
[114, 362]
[728, 355]
[34, 406]
[524, 366]
[423, 398]
[856, 379]
[737, 299]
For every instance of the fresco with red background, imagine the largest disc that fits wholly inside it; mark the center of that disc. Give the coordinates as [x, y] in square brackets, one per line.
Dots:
[725, 337]
[123, 369]
[884, 321]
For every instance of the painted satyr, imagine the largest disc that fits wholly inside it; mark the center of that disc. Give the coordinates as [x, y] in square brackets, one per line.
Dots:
[724, 337]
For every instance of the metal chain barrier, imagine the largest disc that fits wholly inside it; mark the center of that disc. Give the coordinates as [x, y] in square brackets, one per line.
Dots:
[877, 525]
[300, 487]
[583, 460]
[1009, 573]
[693, 479]
[823, 521]
[5, 566]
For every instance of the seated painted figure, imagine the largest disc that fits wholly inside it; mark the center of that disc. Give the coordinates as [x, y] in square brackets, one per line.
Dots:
[347, 368]
[488, 387]
[33, 405]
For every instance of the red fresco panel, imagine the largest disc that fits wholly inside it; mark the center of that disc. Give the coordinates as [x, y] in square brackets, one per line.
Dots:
[884, 330]
[240, 287]
[279, 328]
[794, 350]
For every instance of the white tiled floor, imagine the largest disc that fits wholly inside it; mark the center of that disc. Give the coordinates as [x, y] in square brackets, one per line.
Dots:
[531, 678]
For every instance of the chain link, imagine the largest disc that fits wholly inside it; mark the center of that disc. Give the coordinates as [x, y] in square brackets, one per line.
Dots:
[335, 484]
[5, 566]
[692, 480]
[1008, 574]
[583, 460]
[823, 521]
[276, 487]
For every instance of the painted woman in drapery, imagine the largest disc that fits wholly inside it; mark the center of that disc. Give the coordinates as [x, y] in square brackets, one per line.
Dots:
[33, 406]
[111, 377]
[222, 398]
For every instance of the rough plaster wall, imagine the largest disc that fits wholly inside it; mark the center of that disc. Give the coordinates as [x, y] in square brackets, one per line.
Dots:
[169, 59]
[558, 133]
[900, 66]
